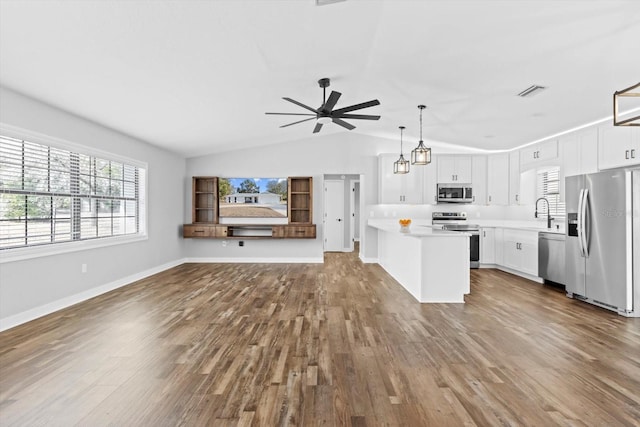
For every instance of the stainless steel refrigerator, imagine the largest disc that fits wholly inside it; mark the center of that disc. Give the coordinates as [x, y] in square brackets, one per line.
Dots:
[602, 245]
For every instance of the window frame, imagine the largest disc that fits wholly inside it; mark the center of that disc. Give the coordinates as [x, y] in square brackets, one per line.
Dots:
[36, 251]
[557, 207]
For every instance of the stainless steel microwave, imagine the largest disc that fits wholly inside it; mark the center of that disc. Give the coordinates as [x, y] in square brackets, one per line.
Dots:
[455, 193]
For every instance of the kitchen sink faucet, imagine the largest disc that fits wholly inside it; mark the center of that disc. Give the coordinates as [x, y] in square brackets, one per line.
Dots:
[548, 213]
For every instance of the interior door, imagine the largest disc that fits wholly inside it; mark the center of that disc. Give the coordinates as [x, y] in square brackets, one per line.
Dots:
[333, 216]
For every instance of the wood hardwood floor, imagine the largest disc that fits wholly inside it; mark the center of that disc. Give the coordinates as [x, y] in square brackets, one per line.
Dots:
[334, 344]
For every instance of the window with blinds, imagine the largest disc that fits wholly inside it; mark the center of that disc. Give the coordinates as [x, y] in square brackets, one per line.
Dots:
[548, 186]
[50, 195]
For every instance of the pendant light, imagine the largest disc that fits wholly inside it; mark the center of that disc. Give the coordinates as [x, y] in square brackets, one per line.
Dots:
[421, 155]
[401, 165]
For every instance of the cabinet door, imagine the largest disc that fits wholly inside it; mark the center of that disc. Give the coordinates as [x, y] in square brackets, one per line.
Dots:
[487, 246]
[529, 257]
[430, 183]
[454, 169]
[511, 254]
[446, 169]
[479, 179]
[499, 245]
[412, 184]
[589, 151]
[514, 178]
[616, 147]
[463, 169]
[538, 154]
[390, 184]
[498, 179]
[398, 188]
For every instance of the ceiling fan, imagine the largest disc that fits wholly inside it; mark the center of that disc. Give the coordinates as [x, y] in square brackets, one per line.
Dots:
[326, 114]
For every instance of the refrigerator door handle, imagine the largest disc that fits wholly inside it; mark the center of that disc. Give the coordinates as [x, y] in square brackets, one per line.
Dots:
[584, 235]
[580, 222]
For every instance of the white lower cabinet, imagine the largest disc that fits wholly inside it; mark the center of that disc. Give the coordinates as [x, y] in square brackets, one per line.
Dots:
[520, 251]
[499, 245]
[487, 245]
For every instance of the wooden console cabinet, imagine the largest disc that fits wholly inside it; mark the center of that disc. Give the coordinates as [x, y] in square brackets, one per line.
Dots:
[205, 214]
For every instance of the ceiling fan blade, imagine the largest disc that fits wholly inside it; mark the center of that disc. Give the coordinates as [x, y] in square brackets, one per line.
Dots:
[357, 107]
[300, 104]
[331, 102]
[317, 128]
[299, 121]
[292, 114]
[342, 123]
[356, 116]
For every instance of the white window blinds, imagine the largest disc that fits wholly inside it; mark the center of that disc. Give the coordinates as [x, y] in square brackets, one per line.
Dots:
[548, 186]
[50, 195]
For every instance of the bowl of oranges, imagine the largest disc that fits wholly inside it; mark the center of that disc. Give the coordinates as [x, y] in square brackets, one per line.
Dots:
[404, 224]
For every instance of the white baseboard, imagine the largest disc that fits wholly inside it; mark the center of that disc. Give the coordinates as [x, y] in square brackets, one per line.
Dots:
[366, 260]
[43, 310]
[222, 260]
[520, 273]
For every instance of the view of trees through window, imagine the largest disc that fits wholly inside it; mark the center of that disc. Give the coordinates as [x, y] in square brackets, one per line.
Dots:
[253, 197]
[49, 195]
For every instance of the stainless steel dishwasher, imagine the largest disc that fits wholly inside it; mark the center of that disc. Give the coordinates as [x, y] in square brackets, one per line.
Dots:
[551, 264]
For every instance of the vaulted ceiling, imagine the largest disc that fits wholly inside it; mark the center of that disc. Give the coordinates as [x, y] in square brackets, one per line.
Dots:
[197, 77]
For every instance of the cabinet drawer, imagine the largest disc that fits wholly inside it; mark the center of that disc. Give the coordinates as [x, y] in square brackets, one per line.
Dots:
[190, 230]
[220, 231]
[293, 231]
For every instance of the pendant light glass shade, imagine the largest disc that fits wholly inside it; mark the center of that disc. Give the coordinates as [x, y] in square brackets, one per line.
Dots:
[421, 155]
[401, 165]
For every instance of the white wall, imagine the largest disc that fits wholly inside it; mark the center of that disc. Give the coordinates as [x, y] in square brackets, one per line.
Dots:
[29, 288]
[342, 153]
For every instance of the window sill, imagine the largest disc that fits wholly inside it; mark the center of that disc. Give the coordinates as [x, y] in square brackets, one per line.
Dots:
[21, 254]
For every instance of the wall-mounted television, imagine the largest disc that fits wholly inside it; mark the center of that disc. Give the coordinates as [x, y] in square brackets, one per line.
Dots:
[262, 200]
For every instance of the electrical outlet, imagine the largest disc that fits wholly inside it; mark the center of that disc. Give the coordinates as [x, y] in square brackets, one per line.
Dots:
[84, 268]
[240, 243]
[224, 243]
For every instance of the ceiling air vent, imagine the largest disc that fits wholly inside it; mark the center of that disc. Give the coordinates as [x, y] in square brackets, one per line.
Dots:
[325, 2]
[531, 91]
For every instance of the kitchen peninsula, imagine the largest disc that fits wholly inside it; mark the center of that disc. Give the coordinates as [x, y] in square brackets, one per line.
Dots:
[432, 264]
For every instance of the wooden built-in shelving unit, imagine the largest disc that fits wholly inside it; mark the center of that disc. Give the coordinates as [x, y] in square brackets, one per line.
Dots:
[205, 214]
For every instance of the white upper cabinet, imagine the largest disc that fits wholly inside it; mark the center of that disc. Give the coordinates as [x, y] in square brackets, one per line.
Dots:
[454, 169]
[498, 179]
[430, 183]
[514, 178]
[579, 155]
[479, 179]
[538, 154]
[398, 188]
[618, 146]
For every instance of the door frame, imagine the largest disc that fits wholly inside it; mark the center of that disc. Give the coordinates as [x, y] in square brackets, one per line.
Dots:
[352, 212]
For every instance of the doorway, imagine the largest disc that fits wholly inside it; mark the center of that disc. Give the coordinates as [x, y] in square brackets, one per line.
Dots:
[342, 205]
[333, 215]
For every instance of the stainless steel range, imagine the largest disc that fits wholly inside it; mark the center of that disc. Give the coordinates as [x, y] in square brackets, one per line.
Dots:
[457, 221]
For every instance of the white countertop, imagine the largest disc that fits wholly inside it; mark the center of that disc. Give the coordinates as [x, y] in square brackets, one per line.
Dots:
[519, 225]
[419, 228]
[419, 225]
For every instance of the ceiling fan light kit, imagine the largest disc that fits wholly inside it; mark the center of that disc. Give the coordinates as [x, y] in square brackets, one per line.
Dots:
[630, 92]
[421, 155]
[401, 165]
[326, 114]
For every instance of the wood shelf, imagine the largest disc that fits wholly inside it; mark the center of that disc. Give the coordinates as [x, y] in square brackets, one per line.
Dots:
[205, 214]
